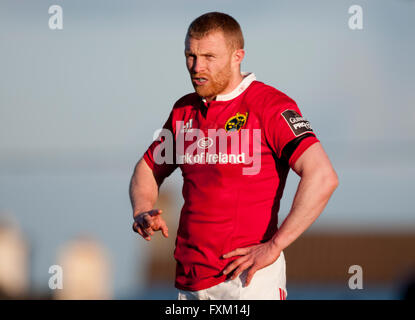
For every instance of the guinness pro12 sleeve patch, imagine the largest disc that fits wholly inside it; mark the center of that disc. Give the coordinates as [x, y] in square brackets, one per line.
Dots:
[297, 123]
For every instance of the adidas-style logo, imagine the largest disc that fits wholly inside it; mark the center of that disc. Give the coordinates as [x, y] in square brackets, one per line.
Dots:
[188, 126]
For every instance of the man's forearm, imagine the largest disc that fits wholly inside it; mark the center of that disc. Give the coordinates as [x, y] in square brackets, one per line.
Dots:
[312, 195]
[143, 189]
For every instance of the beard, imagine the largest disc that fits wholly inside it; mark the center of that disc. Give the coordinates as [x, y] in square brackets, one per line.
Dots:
[216, 83]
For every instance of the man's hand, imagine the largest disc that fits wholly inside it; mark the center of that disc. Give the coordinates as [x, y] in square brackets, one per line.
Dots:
[147, 222]
[254, 258]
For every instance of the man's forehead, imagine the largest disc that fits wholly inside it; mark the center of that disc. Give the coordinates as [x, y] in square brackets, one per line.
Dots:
[213, 41]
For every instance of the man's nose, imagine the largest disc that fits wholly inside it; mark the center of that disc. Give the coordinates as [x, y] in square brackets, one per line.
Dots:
[198, 66]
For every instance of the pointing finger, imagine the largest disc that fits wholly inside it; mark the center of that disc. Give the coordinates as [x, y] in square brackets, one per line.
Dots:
[164, 230]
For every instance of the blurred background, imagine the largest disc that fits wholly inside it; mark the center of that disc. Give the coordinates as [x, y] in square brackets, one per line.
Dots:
[79, 106]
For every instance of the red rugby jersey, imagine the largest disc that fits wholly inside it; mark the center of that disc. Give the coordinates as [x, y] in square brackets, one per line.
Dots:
[229, 201]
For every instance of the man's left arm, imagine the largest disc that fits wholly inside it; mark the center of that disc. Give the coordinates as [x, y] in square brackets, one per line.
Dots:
[317, 184]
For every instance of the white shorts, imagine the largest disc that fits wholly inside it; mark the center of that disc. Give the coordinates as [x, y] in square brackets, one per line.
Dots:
[267, 284]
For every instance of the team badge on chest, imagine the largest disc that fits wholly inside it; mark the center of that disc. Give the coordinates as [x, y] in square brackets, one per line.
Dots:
[236, 122]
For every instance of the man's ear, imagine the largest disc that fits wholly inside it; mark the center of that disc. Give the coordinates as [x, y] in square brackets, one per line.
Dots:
[238, 56]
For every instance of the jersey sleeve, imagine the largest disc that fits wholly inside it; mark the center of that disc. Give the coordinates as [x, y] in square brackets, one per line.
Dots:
[287, 132]
[162, 169]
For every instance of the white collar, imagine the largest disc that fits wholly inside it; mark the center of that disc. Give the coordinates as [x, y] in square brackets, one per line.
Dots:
[247, 80]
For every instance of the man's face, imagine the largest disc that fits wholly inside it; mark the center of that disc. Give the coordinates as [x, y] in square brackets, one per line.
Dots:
[209, 63]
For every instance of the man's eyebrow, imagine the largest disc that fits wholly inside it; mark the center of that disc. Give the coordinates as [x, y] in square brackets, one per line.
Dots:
[208, 54]
[202, 54]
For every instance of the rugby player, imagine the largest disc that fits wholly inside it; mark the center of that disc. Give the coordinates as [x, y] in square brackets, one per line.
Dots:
[228, 243]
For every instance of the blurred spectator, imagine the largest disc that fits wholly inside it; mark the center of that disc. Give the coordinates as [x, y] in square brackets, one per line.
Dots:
[13, 262]
[86, 271]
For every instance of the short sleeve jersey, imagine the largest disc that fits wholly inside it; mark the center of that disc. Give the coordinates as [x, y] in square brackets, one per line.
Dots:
[234, 154]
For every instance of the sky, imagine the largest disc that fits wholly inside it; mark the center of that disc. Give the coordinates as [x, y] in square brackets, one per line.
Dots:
[79, 106]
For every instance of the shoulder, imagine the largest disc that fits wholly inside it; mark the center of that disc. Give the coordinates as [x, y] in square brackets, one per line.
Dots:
[183, 105]
[269, 95]
[187, 101]
[266, 99]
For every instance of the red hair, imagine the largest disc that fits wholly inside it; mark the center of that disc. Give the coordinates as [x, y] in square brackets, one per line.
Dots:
[217, 21]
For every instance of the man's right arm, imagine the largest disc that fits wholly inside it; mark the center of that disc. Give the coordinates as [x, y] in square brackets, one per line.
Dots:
[143, 196]
[145, 183]
[143, 188]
